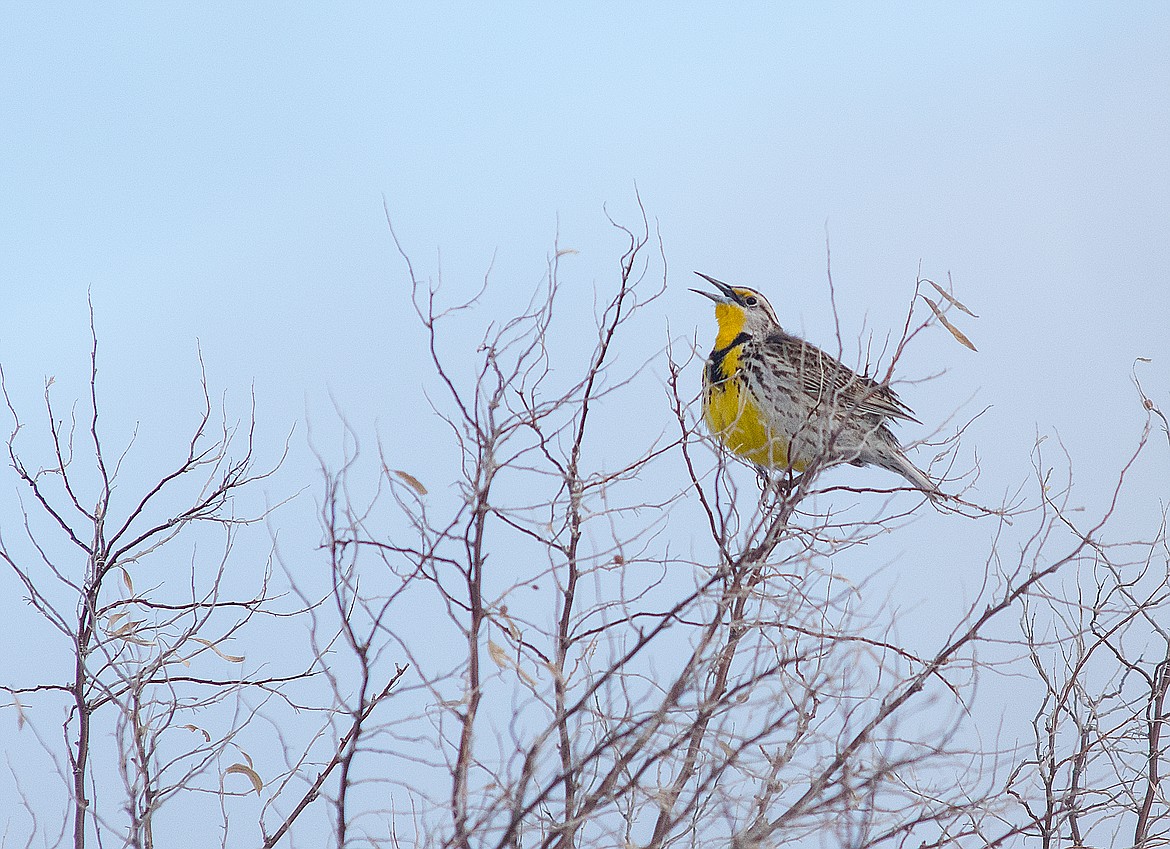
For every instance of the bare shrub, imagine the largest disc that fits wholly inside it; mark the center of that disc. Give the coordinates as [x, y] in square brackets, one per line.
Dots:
[601, 638]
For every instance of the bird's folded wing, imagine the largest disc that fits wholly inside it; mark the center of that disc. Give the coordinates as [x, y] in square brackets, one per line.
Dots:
[824, 377]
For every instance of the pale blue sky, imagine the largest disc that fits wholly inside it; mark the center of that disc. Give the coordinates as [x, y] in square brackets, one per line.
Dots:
[216, 174]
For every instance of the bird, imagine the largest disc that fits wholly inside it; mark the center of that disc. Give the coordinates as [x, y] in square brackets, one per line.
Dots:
[782, 403]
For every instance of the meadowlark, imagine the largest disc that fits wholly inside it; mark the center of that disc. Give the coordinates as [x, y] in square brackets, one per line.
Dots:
[782, 403]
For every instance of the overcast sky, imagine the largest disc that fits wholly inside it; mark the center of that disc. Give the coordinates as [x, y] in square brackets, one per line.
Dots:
[215, 175]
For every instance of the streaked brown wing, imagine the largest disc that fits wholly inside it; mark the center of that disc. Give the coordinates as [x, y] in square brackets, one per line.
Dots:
[823, 376]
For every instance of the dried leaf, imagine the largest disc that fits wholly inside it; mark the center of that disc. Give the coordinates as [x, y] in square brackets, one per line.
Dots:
[498, 655]
[411, 481]
[198, 730]
[127, 629]
[953, 300]
[257, 784]
[230, 658]
[513, 631]
[958, 334]
[567, 252]
[126, 580]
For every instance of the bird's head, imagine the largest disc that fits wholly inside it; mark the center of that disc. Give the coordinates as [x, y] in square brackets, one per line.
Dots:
[739, 309]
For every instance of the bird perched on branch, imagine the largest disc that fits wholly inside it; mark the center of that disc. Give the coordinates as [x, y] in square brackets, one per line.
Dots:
[782, 403]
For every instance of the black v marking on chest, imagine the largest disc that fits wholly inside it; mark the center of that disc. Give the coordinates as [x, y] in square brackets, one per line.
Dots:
[715, 360]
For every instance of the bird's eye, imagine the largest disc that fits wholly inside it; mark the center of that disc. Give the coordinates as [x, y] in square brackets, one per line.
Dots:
[751, 300]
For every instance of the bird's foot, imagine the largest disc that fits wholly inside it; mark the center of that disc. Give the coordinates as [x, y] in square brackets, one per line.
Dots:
[775, 488]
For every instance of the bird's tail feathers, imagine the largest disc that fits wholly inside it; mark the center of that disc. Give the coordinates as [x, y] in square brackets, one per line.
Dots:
[897, 462]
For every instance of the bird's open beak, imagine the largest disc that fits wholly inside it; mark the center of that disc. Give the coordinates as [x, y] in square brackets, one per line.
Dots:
[728, 296]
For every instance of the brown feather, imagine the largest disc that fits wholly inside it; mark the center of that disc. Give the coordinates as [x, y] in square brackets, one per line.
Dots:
[823, 376]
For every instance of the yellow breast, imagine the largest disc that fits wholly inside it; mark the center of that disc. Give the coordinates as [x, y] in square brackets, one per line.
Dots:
[734, 417]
